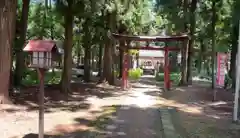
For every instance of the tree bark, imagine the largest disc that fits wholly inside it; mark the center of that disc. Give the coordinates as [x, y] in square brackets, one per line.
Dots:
[66, 74]
[19, 50]
[191, 42]
[234, 50]
[78, 53]
[108, 56]
[87, 49]
[234, 42]
[121, 52]
[100, 57]
[7, 31]
[214, 19]
[200, 57]
[184, 51]
[107, 61]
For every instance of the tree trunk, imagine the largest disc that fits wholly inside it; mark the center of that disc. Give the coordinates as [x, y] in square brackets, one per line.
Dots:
[234, 50]
[234, 41]
[87, 58]
[51, 20]
[7, 31]
[78, 53]
[107, 61]
[108, 55]
[121, 52]
[112, 25]
[20, 66]
[200, 57]
[191, 42]
[100, 58]
[137, 59]
[214, 19]
[184, 51]
[87, 50]
[66, 74]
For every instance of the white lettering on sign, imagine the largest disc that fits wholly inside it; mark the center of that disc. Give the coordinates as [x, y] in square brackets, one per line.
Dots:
[221, 69]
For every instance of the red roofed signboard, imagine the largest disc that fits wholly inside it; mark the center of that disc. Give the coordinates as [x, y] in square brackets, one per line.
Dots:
[40, 45]
[43, 53]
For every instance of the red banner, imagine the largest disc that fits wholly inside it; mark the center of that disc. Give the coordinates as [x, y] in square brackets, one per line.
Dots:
[221, 69]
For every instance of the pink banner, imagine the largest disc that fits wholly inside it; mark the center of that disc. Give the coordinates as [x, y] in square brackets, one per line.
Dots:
[221, 69]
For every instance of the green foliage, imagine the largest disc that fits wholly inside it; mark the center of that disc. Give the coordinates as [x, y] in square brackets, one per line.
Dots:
[135, 73]
[174, 77]
[137, 17]
[32, 77]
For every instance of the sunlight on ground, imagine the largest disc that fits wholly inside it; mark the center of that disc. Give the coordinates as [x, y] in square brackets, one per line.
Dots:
[140, 99]
[143, 101]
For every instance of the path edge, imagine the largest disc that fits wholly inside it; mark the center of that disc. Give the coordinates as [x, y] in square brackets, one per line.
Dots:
[167, 123]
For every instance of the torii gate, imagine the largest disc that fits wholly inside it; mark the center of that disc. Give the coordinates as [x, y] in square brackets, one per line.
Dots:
[126, 40]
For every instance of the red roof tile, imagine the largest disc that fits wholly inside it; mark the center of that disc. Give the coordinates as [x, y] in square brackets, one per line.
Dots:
[40, 45]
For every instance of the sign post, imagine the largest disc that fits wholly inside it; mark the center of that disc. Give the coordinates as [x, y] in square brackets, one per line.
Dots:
[236, 97]
[43, 55]
[41, 72]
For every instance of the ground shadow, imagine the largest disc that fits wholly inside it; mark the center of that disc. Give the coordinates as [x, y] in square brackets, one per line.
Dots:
[202, 95]
[84, 127]
[198, 114]
[203, 125]
[113, 121]
[54, 99]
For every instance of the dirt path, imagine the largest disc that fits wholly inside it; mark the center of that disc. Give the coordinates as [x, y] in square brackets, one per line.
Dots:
[138, 116]
[120, 114]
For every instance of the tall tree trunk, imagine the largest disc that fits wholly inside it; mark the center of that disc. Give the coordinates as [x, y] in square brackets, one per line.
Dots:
[121, 52]
[66, 74]
[214, 19]
[108, 55]
[100, 57]
[51, 21]
[137, 59]
[7, 32]
[191, 42]
[19, 53]
[234, 50]
[234, 41]
[78, 53]
[112, 25]
[107, 61]
[184, 51]
[200, 57]
[87, 50]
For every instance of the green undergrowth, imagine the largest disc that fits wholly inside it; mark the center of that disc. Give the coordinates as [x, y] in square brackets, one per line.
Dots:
[174, 77]
[31, 77]
[135, 73]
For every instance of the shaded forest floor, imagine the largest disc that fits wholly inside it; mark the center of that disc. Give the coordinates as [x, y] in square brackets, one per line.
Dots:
[90, 109]
[197, 116]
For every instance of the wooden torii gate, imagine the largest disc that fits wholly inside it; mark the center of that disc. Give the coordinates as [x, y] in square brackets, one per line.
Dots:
[125, 40]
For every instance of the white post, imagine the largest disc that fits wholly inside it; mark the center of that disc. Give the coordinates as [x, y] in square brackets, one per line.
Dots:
[235, 112]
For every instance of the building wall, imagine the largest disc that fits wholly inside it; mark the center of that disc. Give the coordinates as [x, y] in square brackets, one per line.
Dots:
[153, 59]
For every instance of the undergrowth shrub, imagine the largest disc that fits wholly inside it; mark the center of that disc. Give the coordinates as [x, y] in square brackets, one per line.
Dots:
[135, 73]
